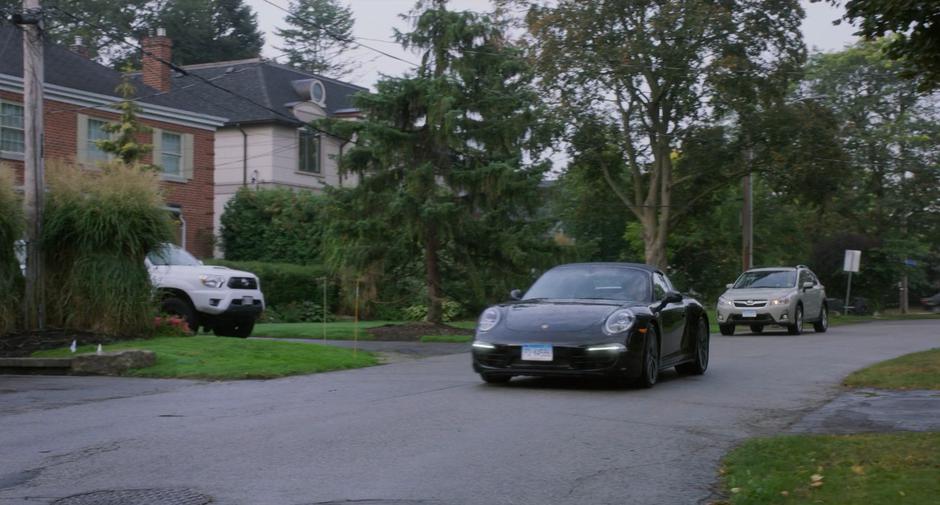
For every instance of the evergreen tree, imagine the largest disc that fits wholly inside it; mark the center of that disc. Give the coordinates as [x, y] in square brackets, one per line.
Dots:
[318, 33]
[443, 158]
[123, 142]
[205, 31]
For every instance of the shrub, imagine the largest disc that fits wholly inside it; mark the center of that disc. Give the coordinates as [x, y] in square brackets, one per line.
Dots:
[451, 311]
[170, 326]
[274, 225]
[11, 228]
[285, 283]
[97, 228]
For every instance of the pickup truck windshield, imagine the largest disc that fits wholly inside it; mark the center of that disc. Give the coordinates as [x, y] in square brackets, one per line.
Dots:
[168, 255]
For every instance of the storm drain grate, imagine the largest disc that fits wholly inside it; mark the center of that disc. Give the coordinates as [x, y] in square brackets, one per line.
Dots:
[137, 497]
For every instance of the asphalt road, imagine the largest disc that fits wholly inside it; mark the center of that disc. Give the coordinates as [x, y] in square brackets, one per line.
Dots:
[425, 431]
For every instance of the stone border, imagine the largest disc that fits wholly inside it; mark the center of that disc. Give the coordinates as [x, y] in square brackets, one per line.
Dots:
[106, 363]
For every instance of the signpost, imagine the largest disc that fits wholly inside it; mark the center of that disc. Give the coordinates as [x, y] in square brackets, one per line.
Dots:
[850, 264]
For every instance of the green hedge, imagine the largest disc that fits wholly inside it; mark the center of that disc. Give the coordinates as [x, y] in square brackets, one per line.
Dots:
[286, 283]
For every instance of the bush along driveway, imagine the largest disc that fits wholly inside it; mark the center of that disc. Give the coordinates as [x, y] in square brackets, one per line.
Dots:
[876, 445]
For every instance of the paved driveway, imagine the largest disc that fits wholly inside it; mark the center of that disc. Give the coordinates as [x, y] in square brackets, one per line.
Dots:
[426, 430]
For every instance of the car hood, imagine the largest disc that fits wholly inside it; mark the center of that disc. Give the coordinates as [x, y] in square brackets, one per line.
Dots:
[558, 316]
[757, 293]
[196, 271]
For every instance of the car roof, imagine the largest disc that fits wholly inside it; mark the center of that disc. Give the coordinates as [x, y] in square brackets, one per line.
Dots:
[765, 269]
[638, 266]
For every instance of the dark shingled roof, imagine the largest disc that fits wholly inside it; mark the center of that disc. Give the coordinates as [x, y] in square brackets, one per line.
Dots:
[71, 70]
[267, 83]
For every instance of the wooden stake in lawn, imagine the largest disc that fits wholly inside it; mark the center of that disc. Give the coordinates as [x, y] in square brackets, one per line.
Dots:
[324, 307]
[356, 321]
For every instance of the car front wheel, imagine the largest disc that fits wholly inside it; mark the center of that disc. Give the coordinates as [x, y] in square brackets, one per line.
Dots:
[823, 323]
[240, 328]
[650, 373]
[180, 307]
[797, 327]
[726, 329]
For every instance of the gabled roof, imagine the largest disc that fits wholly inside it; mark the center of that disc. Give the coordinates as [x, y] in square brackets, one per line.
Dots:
[66, 69]
[269, 84]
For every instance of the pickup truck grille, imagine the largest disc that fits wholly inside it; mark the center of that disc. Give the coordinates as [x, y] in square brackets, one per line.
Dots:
[243, 283]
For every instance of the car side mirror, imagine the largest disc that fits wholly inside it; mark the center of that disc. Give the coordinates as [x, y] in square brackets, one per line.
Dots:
[729, 286]
[515, 294]
[671, 297]
[808, 285]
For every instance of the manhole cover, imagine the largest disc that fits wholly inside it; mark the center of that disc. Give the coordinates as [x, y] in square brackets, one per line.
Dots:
[137, 497]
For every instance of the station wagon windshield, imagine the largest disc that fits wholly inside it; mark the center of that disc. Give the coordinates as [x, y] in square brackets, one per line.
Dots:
[592, 283]
[766, 279]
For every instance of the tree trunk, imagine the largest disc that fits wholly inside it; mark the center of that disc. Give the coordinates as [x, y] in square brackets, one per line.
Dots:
[433, 273]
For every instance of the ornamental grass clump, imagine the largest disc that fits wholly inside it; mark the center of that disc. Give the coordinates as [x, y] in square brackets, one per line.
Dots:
[11, 230]
[98, 228]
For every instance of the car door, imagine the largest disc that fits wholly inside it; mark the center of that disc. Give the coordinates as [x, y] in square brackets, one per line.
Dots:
[672, 317]
[809, 296]
[819, 294]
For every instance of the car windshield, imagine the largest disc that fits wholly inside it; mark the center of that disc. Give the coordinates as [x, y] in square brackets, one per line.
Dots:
[170, 254]
[766, 279]
[592, 282]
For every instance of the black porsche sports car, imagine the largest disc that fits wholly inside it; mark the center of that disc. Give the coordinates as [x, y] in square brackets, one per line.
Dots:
[622, 320]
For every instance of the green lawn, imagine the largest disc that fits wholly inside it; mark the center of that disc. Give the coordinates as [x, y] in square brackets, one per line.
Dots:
[869, 469]
[920, 370]
[447, 338]
[340, 330]
[231, 358]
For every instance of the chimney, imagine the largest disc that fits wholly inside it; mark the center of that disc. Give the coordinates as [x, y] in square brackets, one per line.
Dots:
[80, 48]
[156, 48]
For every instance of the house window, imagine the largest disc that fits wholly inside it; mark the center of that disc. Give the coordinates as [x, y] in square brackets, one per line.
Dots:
[95, 133]
[171, 153]
[309, 159]
[11, 128]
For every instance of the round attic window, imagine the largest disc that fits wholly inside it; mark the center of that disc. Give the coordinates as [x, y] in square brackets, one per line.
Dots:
[317, 92]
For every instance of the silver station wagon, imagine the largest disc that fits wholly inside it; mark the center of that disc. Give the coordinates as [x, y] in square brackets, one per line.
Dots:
[784, 296]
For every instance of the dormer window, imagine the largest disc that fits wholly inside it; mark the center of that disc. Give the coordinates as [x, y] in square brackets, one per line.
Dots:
[317, 93]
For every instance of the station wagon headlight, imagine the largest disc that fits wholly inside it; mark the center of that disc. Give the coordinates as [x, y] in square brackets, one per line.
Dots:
[783, 300]
[489, 319]
[619, 322]
[212, 281]
[726, 302]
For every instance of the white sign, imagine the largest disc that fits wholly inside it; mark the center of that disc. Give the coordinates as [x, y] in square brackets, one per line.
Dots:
[852, 260]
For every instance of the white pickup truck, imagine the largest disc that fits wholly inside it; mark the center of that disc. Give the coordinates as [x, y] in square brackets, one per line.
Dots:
[216, 298]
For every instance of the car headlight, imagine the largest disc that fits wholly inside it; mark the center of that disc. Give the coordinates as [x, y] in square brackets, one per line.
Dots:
[608, 347]
[489, 319]
[212, 281]
[619, 322]
[723, 301]
[783, 300]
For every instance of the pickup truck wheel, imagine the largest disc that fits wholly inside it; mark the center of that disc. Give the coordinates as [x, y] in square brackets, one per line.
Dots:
[240, 328]
[176, 306]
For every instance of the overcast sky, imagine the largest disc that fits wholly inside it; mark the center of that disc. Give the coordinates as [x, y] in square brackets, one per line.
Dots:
[375, 19]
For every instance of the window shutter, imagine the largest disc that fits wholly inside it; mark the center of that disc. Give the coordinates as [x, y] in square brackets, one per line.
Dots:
[155, 145]
[81, 148]
[188, 166]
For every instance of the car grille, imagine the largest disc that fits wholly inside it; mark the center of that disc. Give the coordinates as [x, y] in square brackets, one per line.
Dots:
[563, 358]
[754, 304]
[243, 283]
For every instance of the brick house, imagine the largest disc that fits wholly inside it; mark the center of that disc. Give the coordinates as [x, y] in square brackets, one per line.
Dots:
[266, 140]
[79, 97]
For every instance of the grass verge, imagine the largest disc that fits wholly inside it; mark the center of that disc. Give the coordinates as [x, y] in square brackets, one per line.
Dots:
[453, 339]
[920, 370]
[340, 330]
[230, 358]
[869, 469]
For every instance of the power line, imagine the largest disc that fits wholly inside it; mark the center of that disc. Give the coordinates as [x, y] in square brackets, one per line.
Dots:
[338, 37]
[187, 73]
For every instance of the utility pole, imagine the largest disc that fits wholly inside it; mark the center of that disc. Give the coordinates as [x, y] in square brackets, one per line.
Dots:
[34, 173]
[747, 217]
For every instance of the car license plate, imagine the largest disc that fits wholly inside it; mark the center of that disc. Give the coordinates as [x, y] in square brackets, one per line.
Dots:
[749, 313]
[536, 352]
[248, 300]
